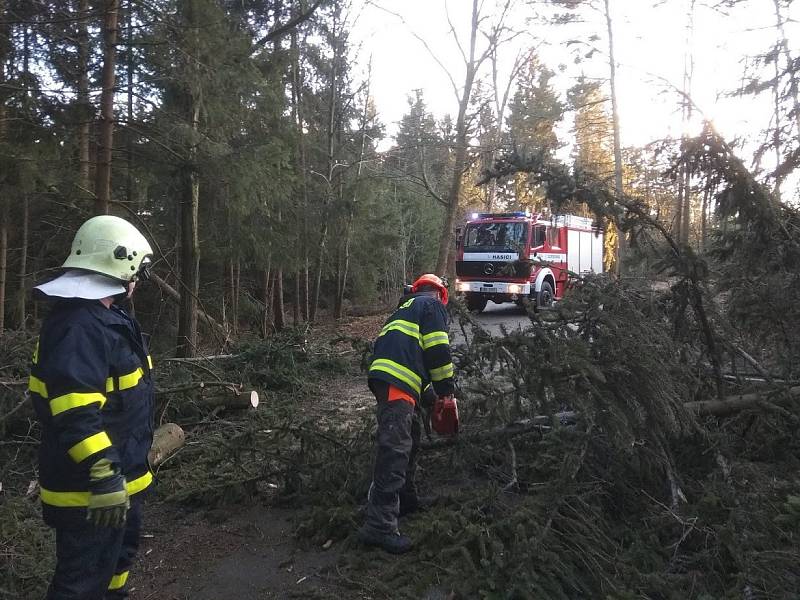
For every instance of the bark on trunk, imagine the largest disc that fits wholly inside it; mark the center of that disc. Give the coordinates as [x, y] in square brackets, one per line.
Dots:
[621, 240]
[106, 137]
[129, 118]
[459, 166]
[301, 286]
[266, 321]
[279, 316]
[733, 404]
[84, 102]
[348, 233]
[248, 400]
[4, 209]
[190, 201]
[22, 292]
[190, 260]
[4, 218]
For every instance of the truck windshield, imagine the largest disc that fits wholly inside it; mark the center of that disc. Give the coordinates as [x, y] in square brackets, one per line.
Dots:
[495, 237]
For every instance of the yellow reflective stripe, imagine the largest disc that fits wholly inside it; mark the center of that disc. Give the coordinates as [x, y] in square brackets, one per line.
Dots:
[124, 382]
[35, 357]
[91, 445]
[38, 386]
[434, 339]
[407, 327]
[412, 334]
[140, 483]
[64, 499]
[81, 499]
[149, 361]
[402, 373]
[118, 581]
[76, 400]
[442, 372]
[130, 380]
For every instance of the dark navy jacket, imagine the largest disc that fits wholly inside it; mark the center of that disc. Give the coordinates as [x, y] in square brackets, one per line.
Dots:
[413, 347]
[93, 393]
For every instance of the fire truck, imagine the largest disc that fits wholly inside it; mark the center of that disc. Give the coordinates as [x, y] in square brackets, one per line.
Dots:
[519, 257]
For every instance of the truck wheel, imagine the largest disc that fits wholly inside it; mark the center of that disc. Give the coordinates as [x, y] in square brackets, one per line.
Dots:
[544, 298]
[476, 303]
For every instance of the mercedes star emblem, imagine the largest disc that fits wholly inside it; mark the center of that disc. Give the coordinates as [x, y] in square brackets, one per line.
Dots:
[488, 269]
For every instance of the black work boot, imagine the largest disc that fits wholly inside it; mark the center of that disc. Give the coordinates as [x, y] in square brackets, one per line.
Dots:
[394, 543]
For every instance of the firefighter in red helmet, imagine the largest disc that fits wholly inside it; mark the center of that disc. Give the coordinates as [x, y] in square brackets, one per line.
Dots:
[410, 355]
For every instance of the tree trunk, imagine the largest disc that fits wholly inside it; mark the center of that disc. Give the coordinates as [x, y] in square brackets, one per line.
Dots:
[237, 289]
[459, 166]
[4, 209]
[278, 314]
[732, 404]
[106, 137]
[190, 197]
[302, 310]
[190, 251]
[84, 101]
[333, 97]
[129, 117]
[618, 190]
[685, 194]
[247, 400]
[22, 292]
[704, 219]
[4, 218]
[265, 295]
[348, 233]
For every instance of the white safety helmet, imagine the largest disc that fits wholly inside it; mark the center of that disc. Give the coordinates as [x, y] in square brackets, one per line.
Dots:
[112, 247]
[107, 253]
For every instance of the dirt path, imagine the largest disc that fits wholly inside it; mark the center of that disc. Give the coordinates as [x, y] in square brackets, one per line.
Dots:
[245, 553]
[250, 552]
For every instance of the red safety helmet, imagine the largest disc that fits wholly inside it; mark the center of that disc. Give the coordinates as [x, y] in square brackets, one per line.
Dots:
[432, 280]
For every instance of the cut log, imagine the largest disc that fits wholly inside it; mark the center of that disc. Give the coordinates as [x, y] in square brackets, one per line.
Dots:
[166, 440]
[248, 400]
[200, 385]
[732, 404]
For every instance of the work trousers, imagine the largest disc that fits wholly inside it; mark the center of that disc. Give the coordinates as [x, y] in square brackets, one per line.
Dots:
[397, 444]
[92, 563]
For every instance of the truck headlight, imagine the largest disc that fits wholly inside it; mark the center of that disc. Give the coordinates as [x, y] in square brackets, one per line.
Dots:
[462, 286]
[514, 288]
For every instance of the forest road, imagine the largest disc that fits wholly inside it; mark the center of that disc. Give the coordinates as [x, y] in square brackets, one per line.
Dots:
[493, 318]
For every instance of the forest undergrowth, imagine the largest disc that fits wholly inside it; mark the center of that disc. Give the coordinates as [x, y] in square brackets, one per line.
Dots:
[632, 496]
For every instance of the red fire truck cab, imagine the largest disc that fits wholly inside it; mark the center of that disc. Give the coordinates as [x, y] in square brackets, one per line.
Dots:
[519, 257]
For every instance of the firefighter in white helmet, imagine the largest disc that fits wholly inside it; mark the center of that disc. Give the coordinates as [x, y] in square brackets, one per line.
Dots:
[92, 390]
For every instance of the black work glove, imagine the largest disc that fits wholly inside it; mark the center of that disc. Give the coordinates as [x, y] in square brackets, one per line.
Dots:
[428, 398]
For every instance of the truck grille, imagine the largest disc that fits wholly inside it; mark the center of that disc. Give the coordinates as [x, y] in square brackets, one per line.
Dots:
[493, 269]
